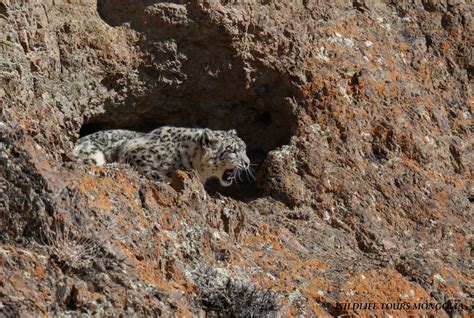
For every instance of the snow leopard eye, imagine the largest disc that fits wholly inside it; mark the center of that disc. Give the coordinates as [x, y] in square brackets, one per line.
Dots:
[229, 151]
[232, 155]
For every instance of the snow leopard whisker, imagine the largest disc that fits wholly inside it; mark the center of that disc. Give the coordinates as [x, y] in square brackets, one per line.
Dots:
[247, 174]
[235, 180]
[240, 174]
[233, 177]
[249, 171]
[252, 174]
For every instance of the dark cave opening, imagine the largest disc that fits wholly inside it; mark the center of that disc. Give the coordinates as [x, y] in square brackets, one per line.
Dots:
[263, 129]
[192, 75]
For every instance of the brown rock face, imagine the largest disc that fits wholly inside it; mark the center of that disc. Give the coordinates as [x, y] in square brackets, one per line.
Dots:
[357, 114]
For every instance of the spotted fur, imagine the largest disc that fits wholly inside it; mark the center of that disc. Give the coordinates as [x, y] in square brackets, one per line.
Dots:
[159, 153]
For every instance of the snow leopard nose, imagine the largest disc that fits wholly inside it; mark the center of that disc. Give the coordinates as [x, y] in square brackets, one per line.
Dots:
[246, 162]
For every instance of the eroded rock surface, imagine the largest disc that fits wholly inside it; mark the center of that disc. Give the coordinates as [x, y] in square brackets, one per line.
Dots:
[356, 112]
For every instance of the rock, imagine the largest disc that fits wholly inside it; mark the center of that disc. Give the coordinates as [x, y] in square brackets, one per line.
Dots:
[356, 114]
[80, 298]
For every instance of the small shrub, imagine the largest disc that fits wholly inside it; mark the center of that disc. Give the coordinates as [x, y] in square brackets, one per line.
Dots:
[222, 296]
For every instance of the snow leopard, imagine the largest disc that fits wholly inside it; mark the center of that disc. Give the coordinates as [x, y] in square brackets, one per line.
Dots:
[158, 154]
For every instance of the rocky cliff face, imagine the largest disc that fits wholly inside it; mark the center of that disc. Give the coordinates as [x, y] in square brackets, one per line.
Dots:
[357, 113]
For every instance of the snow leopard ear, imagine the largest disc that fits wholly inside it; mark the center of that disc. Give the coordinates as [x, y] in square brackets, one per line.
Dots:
[208, 139]
[233, 132]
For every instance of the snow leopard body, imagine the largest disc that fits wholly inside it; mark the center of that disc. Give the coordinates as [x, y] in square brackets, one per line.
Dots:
[159, 153]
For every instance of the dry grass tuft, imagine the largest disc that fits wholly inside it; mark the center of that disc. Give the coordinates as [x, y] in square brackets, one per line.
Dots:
[70, 246]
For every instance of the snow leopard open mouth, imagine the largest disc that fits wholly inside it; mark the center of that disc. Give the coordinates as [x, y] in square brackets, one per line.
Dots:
[228, 175]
